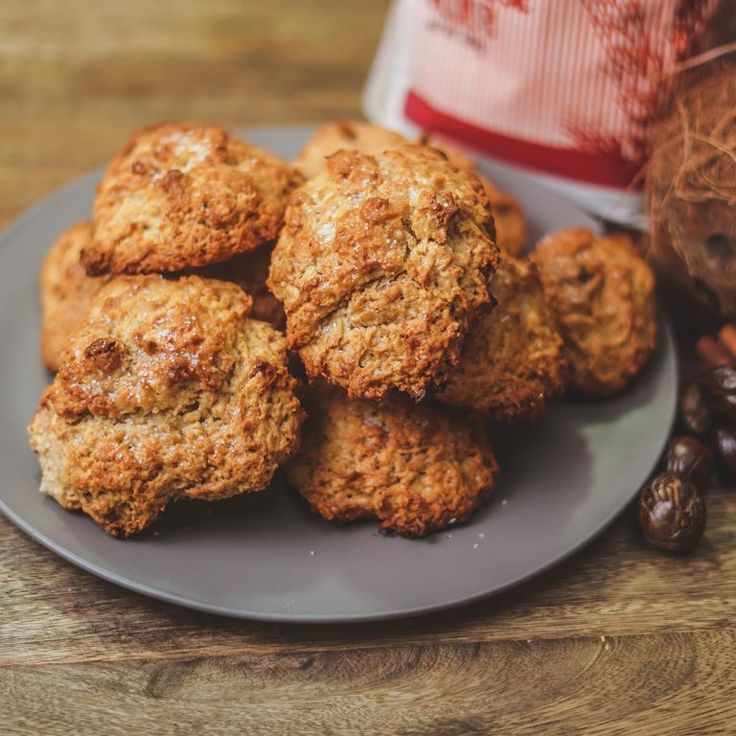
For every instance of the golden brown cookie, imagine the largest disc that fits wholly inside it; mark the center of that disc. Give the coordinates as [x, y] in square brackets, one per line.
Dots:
[415, 468]
[381, 266]
[331, 137]
[250, 272]
[178, 196]
[513, 360]
[166, 391]
[508, 216]
[602, 294]
[66, 291]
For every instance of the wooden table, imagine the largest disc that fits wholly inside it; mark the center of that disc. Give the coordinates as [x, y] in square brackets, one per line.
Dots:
[619, 640]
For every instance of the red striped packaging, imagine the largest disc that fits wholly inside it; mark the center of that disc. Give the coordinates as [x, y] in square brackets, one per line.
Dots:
[564, 88]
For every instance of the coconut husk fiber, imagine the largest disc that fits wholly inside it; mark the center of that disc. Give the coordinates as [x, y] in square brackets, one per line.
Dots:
[691, 189]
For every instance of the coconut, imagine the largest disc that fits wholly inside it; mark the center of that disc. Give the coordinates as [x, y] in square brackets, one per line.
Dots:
[691, 189]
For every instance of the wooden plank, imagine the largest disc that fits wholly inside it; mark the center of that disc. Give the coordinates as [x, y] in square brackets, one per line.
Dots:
[77, 77]
[639, 685]
[52, 612]
[78, 655]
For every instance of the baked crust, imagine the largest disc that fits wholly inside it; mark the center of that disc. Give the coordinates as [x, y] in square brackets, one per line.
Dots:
[66, 291]
[513, 359]
[250, 272]
[178, 196]
[351, 134]
[415, 468]
[381, 265]
[166, 391]
[602, 294]
[508, 215]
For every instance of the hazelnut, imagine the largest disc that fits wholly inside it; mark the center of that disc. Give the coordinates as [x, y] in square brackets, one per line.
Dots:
[694, 410]
[724, 439]
[671, 512]
[720, 389]
[690, 458]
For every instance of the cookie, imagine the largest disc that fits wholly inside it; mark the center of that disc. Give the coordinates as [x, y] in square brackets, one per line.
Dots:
[508, 215]
[331, 137]
[414, 468]
[513, 359]
[381, 266]
[66, 291]
[166, 391]
[602, 294]
[180, 196]
[250, 272]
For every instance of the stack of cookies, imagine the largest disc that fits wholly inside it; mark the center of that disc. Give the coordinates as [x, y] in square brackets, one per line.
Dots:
[416, 321]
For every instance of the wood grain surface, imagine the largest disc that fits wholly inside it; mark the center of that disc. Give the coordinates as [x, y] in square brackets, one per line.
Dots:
[620, 639]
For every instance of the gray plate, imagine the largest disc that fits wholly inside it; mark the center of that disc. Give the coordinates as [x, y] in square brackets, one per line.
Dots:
[265, 556]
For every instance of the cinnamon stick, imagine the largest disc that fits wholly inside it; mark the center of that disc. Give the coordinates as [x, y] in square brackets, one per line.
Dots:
[711, 354]
[727, 339]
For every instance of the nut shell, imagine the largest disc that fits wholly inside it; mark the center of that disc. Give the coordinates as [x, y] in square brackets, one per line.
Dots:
[690, 458]
[724, 439]
[720, 388]
[671, 513]
[695, 412]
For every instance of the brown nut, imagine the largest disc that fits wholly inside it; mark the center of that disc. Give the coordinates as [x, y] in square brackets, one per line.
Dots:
[724, 439]
[695, 413]
[671, 513]
[690, 458]
[720, 389]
